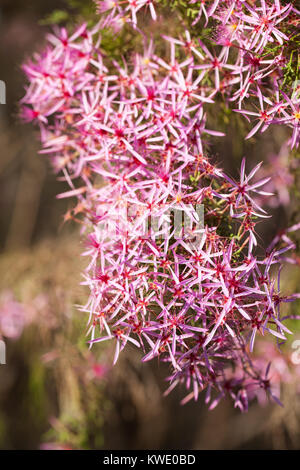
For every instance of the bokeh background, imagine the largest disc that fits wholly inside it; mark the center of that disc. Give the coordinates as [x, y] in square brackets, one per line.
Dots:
[54, 392]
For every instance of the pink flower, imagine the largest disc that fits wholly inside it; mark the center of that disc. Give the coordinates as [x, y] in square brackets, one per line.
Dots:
[131, 142]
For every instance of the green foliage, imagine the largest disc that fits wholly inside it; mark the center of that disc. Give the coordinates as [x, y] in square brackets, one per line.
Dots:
[56, 17]
[183, 7]
[76, 10]
[291, 70]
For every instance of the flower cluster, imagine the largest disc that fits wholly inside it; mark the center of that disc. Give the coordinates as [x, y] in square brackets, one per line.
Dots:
[130, 139]
[258, 41]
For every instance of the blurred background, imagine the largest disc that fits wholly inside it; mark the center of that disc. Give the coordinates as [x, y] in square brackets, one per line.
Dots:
[54, 393]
